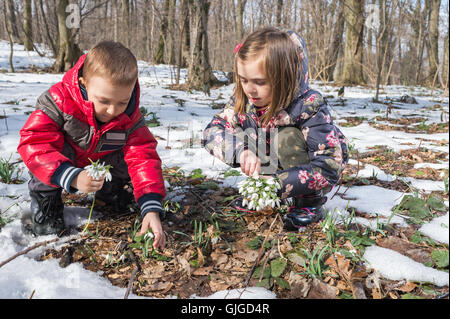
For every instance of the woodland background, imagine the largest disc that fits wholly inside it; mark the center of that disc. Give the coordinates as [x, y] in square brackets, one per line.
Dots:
[350, 42]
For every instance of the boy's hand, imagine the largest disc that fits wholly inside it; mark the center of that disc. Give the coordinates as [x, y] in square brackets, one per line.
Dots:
[250, 163]
[151, 220]
[85, 183]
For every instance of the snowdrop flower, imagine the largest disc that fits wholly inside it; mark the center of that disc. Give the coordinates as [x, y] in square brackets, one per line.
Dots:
[259, 192]
[97, 170]
[149, 235]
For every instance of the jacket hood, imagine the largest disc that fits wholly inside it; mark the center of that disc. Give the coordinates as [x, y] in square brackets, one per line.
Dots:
[71, 83]
[303, 75]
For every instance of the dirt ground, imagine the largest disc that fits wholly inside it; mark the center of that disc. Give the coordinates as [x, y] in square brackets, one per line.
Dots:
[212, 247]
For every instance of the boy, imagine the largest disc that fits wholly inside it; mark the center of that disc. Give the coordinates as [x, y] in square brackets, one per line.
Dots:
[93, 113]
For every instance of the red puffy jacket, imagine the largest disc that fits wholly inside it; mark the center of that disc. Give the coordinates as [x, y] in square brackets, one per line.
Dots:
[63, 115]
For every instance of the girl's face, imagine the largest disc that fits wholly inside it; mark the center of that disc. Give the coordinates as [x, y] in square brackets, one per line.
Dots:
[254, 81]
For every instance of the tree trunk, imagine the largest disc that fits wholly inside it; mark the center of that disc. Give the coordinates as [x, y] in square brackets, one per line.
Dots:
[240, 18]
[171, 30]
[279, 10]
[27, 25]
[125, 23]
[433, 38]
[352, 72]
[186, 34]
[200, 75]
[68, 51]
[336, 42]
[147, 44]
[445, 66]
[159, 57]
[12, 22]
[11, 43]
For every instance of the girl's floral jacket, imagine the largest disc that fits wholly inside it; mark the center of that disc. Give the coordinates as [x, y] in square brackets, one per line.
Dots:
[226, 136]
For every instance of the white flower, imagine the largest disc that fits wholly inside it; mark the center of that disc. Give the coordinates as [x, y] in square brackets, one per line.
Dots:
[149, 235]
[259, 192]
[97, 170]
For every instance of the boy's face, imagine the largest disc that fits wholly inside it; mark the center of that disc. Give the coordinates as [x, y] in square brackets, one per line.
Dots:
[110, 100]
[254, 81]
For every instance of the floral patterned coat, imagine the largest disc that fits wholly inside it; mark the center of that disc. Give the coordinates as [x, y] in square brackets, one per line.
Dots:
[224, 137]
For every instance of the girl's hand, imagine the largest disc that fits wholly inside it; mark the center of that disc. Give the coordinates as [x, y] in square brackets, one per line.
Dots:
[86, 184]
[151, 220]
[250, 163]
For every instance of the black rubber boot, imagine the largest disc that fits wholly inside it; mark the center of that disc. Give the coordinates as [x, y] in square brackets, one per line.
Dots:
[307, 210]
[47, 213]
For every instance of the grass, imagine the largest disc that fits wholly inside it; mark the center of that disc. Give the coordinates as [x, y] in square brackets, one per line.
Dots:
[9, 172]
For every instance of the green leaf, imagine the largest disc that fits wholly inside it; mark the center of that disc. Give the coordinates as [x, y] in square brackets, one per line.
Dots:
[410, 296]
[415, 206]
[257, 272]
[297, 259]
[208, 185]
[436, 203]
[282, 283]
[266, 283]
[440, 257]
[197, 173]
[255, 243]
[277, 266]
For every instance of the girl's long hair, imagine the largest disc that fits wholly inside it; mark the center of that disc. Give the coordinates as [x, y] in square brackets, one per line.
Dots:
[281, 65]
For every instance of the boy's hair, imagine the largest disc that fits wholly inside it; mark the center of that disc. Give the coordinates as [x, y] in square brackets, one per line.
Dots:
[112, 60]
[281, 66]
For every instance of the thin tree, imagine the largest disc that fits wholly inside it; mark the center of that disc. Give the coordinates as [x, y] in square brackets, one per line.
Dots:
[27, 25]
[159, 57]
[11, 42]
[68, 50]
[352, 71]
[200, 75]
[432, 41]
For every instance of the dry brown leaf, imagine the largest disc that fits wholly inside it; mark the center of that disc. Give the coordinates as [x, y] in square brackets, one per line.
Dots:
[158, 286]
[321, 290]
[392, 295]
[154, 271]
[113, 276]
[217, 284]
[407, 287]
[200, 258]
[300, 286]
[376, 294]
[204, 271]
[219, 258]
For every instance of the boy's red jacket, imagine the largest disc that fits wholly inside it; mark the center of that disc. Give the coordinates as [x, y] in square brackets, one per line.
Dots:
[63, 115]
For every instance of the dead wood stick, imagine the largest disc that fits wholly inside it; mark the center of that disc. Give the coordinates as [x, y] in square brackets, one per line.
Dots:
[130, 283]
[358, 290]
[23, 252]
[261, 252]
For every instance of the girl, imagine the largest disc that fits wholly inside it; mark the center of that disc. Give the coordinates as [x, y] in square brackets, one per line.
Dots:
[275, 125]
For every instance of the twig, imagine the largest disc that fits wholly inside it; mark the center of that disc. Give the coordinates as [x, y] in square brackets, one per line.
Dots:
[358, 290]
[130, 283]
[173, 247]
[23, 252]
[32, 294]
[261, 275]
[261, 252]
[6, 121]
[137, 267]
